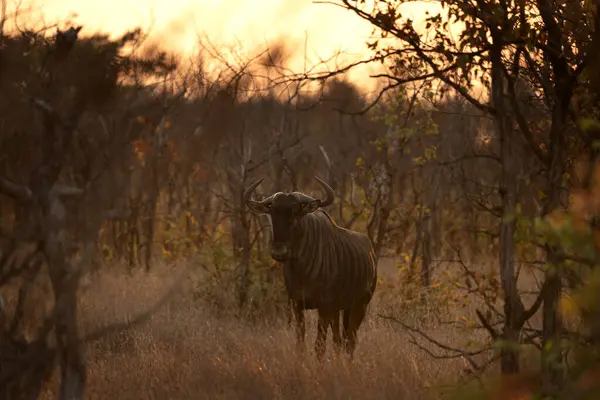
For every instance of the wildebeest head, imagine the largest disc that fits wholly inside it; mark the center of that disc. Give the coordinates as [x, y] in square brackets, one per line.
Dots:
[285, 210]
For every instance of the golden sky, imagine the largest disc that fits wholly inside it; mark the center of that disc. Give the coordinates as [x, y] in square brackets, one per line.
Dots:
[176, 24]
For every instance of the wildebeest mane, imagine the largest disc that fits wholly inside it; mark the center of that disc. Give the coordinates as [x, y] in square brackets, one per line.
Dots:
[330, 265]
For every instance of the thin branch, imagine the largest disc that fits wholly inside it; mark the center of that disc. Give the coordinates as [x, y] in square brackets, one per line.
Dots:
[457, 352]
[487, 326]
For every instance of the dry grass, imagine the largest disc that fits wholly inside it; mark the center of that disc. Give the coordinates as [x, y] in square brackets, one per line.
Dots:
[191, 349]
[186, 352]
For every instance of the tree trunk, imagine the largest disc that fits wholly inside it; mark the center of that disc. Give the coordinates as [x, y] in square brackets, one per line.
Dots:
[133, 236]
[153, 199]
[386, 205]
[188, 208]
[242, 243]
[244, 259]
[341, 193]
[266, 234]
[418, 243]
[70, 351]
[426, 250]
[64, 284]
[171, 216]
[513, 308]
[428, 231]
[245, 272]
[552, 356]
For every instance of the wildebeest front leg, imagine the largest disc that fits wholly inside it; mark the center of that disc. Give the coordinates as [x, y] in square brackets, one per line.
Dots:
[298, 311]
[290, 311]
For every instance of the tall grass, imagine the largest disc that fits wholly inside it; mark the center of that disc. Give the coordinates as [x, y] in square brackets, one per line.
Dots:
[187, 351]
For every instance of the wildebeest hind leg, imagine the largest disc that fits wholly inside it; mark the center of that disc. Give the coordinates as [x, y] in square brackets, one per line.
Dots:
[355, 317]
[290, 310]
[335, 330]
[322, 325]
[345, 323]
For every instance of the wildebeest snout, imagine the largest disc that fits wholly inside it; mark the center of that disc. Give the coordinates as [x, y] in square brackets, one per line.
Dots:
[279, 252]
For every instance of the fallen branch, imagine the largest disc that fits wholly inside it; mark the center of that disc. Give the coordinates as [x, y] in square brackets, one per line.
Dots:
[141, 318]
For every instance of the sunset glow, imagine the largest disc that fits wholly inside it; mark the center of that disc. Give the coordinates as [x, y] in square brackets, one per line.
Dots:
[176, 25]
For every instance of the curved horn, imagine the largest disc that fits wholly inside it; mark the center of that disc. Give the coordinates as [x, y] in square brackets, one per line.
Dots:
[270, 199]
[328, 190]
[303, 198]
[248, 193]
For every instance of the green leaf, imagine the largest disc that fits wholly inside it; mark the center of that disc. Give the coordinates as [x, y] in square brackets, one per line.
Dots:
[588, 124]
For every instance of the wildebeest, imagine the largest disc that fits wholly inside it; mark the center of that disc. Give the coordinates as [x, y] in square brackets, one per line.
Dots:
[326, 267]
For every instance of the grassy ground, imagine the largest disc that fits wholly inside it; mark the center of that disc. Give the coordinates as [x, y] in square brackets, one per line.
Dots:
[186, 352]
[193, 350]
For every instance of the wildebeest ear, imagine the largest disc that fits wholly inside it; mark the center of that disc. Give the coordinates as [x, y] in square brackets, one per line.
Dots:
[310, 206]
[258, 207]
